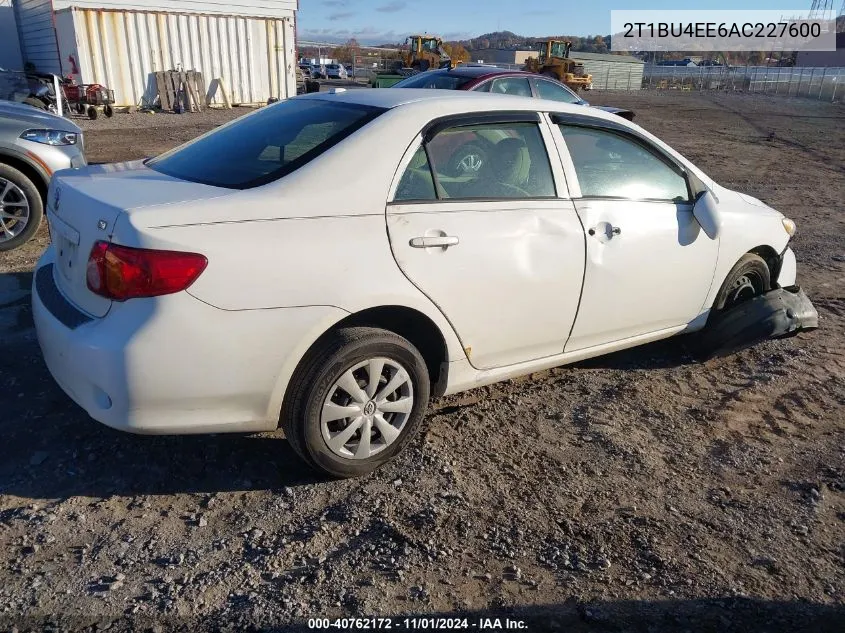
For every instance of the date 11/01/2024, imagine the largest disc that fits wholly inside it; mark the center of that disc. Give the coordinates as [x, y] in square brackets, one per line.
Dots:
[417, 624]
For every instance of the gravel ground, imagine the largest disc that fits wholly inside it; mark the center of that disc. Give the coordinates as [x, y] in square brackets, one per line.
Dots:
[637, 492]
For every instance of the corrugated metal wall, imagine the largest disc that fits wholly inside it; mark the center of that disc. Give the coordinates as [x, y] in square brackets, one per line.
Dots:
[37, 35]
[613, 75]
[254, 57]
[10, 48]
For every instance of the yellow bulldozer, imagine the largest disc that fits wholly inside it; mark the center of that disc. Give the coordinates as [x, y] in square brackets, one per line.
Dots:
[554, 61]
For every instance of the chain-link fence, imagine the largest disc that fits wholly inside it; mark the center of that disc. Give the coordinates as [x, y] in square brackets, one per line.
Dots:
[825, 84]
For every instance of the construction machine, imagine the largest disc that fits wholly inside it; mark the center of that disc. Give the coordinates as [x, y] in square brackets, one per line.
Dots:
[554, 61]
[425, 52]
[420, 53]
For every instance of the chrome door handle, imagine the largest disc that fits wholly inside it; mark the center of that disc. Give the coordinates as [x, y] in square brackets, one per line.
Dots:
[444, 241]
[607, 230]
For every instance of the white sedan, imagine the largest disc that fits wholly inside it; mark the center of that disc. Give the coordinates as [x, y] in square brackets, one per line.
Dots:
[224, 287]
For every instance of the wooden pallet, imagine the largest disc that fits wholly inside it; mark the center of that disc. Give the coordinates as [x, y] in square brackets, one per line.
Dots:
[181, 90]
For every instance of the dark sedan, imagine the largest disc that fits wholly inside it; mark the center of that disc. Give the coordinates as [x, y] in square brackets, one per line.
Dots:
[498, 80]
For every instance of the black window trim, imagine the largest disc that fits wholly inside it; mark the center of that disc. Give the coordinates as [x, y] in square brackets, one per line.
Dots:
[373, 112]
[488, 118]
[466, 120]
[576, 120]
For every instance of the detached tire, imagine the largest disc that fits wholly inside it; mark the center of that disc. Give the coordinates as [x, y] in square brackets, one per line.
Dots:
[355, 401]
[469, 159]
[15, 233]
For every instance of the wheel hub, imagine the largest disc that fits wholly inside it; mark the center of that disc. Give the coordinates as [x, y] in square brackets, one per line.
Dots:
[367, 408]
[14, 210]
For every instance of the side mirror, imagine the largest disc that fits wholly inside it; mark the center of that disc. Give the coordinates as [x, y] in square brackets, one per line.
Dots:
[706, 212]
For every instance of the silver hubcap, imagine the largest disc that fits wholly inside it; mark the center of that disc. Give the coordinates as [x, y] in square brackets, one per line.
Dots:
[14, 210]
[471, 163]
[367, 408]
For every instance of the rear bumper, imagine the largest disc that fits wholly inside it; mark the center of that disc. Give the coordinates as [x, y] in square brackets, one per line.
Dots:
[173, 365]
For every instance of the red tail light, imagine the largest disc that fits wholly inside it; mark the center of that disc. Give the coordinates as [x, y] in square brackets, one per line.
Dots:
[121, 273]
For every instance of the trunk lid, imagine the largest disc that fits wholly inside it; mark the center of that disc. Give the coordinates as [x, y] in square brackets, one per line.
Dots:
[83, 207]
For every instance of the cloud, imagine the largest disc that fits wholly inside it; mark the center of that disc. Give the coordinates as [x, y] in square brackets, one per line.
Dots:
[392, 7]
[367, 36]
[345, 15]
[458, 35]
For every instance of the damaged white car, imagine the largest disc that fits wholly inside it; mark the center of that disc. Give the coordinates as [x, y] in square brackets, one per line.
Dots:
[224, 287]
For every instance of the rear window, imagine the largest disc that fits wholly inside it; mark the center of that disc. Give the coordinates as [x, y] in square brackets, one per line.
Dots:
[266, 145]
[441, 81]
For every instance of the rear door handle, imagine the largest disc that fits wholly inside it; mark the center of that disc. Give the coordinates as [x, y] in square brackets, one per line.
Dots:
[605, 230]
[444, 241]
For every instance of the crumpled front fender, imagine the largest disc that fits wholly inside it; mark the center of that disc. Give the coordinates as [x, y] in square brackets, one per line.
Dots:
[776, 314]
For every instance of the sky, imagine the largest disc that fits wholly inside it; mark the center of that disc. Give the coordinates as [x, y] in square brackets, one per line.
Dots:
[386, 21]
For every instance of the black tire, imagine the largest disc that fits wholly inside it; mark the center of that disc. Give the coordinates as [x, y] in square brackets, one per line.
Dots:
[458, 166]
[310, 386]
[36, 207]
[80, 108]
[35, 103]
[750, 277]
[108, 111]
[92, 113]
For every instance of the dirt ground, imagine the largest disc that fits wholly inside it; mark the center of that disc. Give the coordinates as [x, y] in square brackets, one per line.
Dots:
[638, 492]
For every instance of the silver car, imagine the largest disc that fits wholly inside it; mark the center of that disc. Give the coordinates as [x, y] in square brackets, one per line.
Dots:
[33, 145]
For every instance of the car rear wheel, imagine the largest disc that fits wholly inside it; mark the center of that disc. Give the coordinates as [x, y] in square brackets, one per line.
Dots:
[21, 208]
[356, 401]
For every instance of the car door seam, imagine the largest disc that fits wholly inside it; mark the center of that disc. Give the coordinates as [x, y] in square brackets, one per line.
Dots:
[583, 276]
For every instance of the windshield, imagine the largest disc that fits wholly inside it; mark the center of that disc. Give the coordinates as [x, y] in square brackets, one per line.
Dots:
[266, 145]
[16, 86]
[559, 49]
[442, 81]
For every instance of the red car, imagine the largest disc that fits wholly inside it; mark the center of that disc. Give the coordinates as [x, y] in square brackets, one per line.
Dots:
[512, 82]
[471, 153]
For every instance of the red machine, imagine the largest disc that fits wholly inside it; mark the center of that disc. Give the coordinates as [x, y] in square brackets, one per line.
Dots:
[90, 98]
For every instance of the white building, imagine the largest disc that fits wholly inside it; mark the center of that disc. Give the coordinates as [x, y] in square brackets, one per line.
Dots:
[248, 44]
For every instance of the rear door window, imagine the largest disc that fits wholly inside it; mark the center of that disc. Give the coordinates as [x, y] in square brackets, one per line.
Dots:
[266, 145]
[517, 86]
[489, 161]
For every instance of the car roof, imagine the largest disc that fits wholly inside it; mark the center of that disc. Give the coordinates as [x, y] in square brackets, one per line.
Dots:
[482, 101]
[477, 71]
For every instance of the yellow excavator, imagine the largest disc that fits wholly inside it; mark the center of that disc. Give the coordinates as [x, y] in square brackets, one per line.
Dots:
[554, 61]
